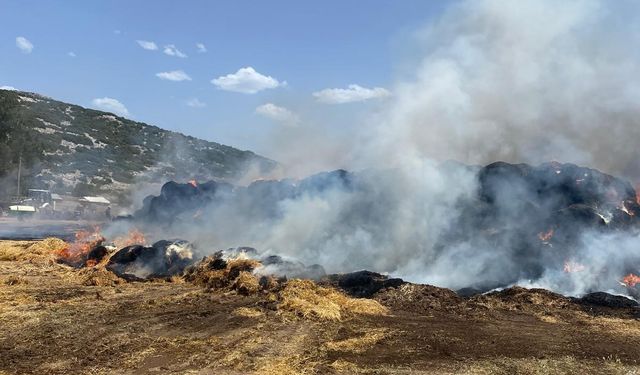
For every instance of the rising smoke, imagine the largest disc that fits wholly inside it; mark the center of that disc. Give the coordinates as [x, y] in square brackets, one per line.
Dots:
[526, 81]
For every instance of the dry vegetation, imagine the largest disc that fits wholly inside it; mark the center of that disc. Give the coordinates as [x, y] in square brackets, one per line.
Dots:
[309, 300]
[55, 319]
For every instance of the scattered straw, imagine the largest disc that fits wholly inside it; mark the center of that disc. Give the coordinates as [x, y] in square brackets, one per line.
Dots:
[99, 276]
[309, 300]
[14, 280]
[248, 312]
[39, 251]
[287, 365]
[344, 367]
[359, 344]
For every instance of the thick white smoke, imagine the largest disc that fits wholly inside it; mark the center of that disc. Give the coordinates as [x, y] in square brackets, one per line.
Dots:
[523, 81]
[526, 81]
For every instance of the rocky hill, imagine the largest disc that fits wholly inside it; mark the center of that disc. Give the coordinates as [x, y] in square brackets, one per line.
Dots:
[72, 149]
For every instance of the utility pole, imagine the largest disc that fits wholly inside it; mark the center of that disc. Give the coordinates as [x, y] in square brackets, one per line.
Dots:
[19, 170]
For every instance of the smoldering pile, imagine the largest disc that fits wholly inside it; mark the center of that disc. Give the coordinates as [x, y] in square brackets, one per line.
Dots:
[519, 224]
[285, 285]
[168, 258]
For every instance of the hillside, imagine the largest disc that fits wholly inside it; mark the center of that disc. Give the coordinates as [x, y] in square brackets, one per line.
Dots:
[72, 149]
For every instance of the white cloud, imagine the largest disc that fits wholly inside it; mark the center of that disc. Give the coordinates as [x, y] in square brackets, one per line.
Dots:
[277, 113]
[354, 93]
[201, 48]
[247, 81]
[24, 44]
[71, 54]
[171, 50]
[110, 105]
[195, 103]
[10, 88]
[174, 75]
[151, 46]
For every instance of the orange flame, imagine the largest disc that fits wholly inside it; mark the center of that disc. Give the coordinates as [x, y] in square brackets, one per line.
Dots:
[572, 267]
[546, 236]
[631, 280]
[134, 237]
[76, 252]
[638, 193]
[193, 183]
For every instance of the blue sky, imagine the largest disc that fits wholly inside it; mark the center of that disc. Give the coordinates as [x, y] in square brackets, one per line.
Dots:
[79, 51]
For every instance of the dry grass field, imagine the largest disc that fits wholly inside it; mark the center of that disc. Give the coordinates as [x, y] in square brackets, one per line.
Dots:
[55, 319]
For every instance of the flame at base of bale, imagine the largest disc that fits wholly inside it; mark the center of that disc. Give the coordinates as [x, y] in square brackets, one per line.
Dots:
[76, 253]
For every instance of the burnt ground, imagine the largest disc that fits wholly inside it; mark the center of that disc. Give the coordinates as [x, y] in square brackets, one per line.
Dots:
[56, 320]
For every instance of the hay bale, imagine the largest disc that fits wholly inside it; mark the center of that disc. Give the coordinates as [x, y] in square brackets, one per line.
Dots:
[44, 250]
[307, 299]
[246, 284]
[214, 273]
[48, 246]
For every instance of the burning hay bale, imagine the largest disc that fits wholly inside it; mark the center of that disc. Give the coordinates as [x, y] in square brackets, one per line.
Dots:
[163, 259]
[76, 254]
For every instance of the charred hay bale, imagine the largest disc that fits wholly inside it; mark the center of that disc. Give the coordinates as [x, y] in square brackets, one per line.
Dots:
[161, 260]
[97, 254]
[176, 198]
[278, 266]
[469, 292]
[419, 298]
[363, 283]
[519, 298]
[607, 300]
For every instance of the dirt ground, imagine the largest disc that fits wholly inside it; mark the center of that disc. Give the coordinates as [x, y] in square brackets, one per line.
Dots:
[57, 320]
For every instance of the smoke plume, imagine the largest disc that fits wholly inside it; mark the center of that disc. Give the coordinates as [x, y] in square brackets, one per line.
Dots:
[526, 81]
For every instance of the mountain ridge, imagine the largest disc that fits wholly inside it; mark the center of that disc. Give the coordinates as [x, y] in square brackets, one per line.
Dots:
[72, 149]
